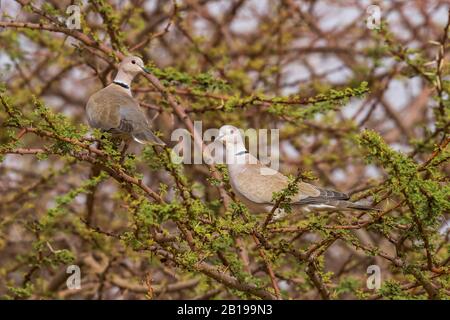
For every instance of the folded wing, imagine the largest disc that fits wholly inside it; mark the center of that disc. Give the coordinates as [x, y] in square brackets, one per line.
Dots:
[259, 188]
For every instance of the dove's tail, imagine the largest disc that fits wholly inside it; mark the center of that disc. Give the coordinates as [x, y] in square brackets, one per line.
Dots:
[339, 205]
[147, 137]
[347, 205]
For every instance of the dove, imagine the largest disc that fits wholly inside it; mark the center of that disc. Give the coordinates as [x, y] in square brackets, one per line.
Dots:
[254, 184]
[113, 108]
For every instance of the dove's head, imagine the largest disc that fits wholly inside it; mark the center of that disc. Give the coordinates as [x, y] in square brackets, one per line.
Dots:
[132, 65]
[229, 135]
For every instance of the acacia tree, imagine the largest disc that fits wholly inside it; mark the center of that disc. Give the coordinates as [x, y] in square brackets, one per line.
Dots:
[363, 110]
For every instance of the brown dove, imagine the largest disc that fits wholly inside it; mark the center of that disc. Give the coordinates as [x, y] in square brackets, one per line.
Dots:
[113, 108]
[254, 184]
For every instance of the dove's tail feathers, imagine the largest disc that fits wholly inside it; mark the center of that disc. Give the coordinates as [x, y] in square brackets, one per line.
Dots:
[351, 205]
[336, 205]
[147, 137]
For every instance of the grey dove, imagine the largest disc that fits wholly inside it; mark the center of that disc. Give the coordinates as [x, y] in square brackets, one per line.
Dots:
[255, 187]
[113, 108]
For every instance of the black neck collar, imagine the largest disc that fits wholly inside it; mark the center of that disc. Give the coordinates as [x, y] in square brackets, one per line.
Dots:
[123, 85]
[240, 153]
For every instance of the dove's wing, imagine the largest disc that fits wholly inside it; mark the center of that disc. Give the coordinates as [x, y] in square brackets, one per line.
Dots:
[259, 188]
[117, 112]
[134, 122]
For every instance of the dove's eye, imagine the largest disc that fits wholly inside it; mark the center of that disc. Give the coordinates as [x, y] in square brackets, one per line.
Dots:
[133, 61]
